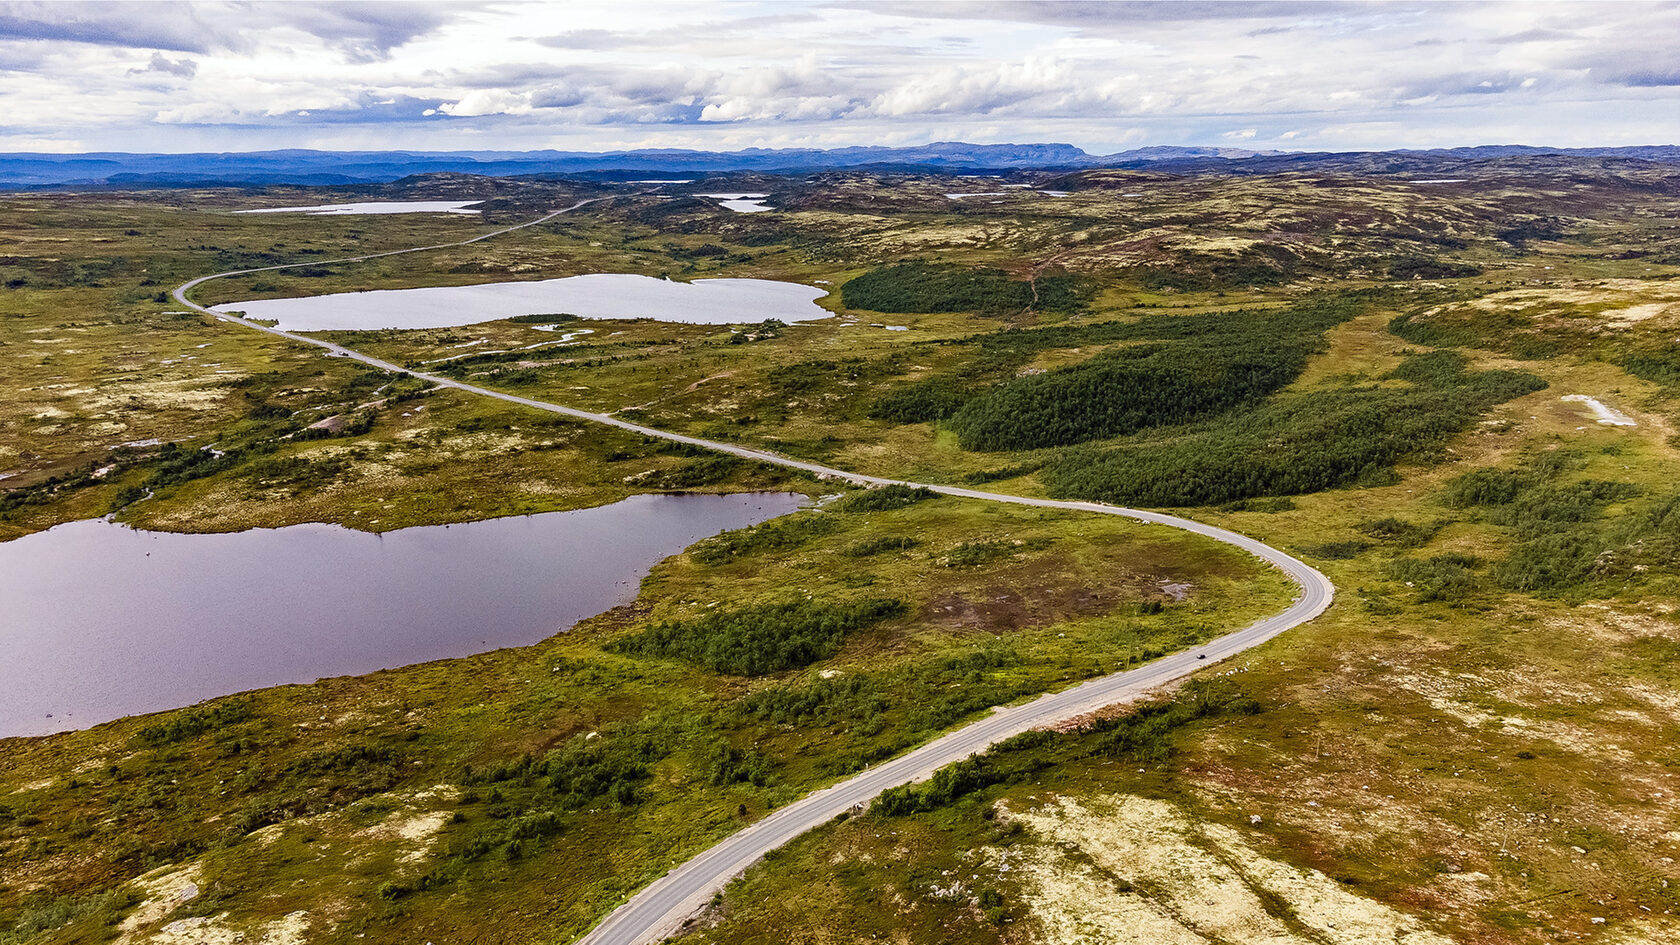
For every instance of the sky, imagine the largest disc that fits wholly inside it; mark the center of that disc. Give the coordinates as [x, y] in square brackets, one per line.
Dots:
[587, 76]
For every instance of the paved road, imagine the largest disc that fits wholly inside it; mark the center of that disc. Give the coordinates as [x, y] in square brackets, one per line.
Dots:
[660, 910]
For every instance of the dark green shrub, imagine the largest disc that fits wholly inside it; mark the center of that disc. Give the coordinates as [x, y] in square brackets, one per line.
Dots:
[865, 547]
[844, 697]
[943, 287]
[1145, 735]
[1399, 532]
[764, 638]
[1447, 577]
[885, 498]
[777, 535]
[1335, 550]
[190, 723]
[1291, 444]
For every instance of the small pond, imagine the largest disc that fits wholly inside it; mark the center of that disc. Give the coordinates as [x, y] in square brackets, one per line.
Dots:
[741, 203]
[601, 295]
[102, 620]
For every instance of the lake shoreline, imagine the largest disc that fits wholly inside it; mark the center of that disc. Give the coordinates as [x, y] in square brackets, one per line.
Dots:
[116, 621]
[593, 296]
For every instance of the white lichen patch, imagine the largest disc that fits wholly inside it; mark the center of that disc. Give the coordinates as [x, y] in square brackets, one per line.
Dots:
[414, 826]
[216, 930]
[338, 839]
[1319, 902]
[1655, 931]
[1213, 244]
[1134, 870]
[1613, 303]
[411, 830]
[162, 891]
[1634, 314]
[1074, 903]
[1465, 697]
[188, 393]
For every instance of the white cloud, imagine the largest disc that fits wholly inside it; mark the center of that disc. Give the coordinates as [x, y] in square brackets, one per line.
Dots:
[489, 102]
[598, 74]
[185, 68]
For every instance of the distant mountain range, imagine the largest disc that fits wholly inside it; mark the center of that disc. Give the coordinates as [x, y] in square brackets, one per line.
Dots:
[29, 171]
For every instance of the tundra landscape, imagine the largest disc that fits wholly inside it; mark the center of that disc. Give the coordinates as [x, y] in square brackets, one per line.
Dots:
[831, 472]
[1452, 400]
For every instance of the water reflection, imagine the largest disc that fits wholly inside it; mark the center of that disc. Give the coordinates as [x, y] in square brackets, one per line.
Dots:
[100, 620]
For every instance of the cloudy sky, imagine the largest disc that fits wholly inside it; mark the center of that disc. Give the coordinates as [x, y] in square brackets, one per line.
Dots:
[634, 73]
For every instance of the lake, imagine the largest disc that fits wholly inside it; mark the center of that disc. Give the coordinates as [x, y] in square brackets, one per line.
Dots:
[376, 206]
[102, 620]
[600, 295]
[741, 203]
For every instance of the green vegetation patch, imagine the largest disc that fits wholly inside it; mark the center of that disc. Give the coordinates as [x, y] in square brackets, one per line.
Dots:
[1298, 442]
[1131, 389]
[1540, 329]
[1567, 540]
[867, 547]
[1145, 735]
[765, 638]
[90, 914]
[1192, 366]
[945, 287]
[886, 498]
[823, 701]
[190, 723]
[1262, 265]
[782, 534]
[1446, 577]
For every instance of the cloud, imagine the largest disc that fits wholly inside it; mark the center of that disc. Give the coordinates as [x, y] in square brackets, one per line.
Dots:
[1113, 12]
[960, 90]
[359, 31]
[365, 32]
[1534, 36]
[185, 68]
[175, 27]
[1652, 78]
[1096, 74]
[584, 39]
[489, 102]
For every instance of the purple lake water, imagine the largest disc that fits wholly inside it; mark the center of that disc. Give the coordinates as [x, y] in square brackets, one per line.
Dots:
[99, 620]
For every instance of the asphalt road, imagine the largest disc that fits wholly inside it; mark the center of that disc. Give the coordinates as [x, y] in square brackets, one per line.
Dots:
[660, 910]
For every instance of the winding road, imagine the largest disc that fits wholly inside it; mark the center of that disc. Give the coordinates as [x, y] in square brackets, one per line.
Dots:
[660, 910]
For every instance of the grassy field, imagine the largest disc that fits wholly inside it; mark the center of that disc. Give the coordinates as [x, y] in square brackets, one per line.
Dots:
[663, 755]
[1445, 747]
[1476, 743]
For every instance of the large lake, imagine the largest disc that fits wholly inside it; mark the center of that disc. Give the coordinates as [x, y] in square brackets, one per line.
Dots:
[600, 295]
[102, 621]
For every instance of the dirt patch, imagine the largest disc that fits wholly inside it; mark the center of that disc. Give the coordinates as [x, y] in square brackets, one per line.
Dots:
[1000, 608]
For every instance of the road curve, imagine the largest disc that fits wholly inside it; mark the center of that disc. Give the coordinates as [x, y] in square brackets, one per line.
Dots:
[660, 910]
